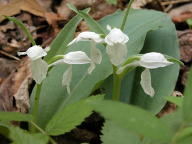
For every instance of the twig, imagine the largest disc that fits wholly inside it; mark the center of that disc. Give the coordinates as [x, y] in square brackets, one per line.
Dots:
[9, 55]
[168, 7]
[174, 2]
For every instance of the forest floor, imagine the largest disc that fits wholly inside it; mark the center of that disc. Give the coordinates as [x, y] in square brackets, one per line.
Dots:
[45, 18]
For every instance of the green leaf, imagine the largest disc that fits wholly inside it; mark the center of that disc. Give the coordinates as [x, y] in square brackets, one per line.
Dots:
[59, 44]
[176, 100]
[114, 134]
[15, 116]
[93, 25]
[163, 40]
[20, 24]
[133, 119]
[187, 102]
[112, 1]
[19, 136]
[71, 116]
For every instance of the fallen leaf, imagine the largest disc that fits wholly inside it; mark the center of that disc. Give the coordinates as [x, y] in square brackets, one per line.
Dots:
[14, 95]
[15, 6]
[182, 13]
[185, 41]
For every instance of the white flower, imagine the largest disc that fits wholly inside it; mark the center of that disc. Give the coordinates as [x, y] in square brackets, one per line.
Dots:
[116, 45]
[34, 52]
[153, 60]
[95, 53]
[76, 57]
[39, 67]
[87, 36]
[116, 36]
[149, 61]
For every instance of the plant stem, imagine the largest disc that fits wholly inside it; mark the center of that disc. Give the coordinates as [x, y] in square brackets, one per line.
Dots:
[35, 109]
[116, 85]
[126, 15]
[43, 132]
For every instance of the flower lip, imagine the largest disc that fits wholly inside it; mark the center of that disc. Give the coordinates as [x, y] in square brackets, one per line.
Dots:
[87, 36]
[153, 60]
[34, 52]
[116, 36]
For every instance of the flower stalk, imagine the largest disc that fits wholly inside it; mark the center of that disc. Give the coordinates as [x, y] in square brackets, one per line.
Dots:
[116, 85]
[35, 109]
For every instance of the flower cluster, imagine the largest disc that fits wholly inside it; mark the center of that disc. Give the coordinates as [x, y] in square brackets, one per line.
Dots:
[116, 49]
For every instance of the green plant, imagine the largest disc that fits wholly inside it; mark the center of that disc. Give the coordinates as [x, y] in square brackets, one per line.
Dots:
[62, 100]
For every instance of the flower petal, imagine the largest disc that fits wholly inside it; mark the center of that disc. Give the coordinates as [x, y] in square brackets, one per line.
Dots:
[116, 36]
[87, 36]
[117, 53]
[146, 83]
[153, 60]
[76, 57]
[96, 56]
[67, 76]
[39, 70]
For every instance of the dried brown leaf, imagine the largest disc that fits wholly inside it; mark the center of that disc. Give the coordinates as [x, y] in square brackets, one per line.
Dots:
[14, 94]
[15, 6]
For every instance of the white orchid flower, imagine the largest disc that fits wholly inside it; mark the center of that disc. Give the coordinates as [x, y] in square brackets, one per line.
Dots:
[151, 61]
[39, 67]
[116, 45]
[34, 52]
[76, 57]
[87, 36]
[94, 38]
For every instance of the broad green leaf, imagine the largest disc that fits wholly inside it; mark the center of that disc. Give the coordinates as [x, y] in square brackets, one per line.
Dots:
[176, 100]
[59, 44]
[164, 80]
[15, 116]
[19, 136]
[70, 116]
[93, 25]
[114, 134]
[133, 119]
[54, 96]
[187, 102]
[20, 24]
[163, 40]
